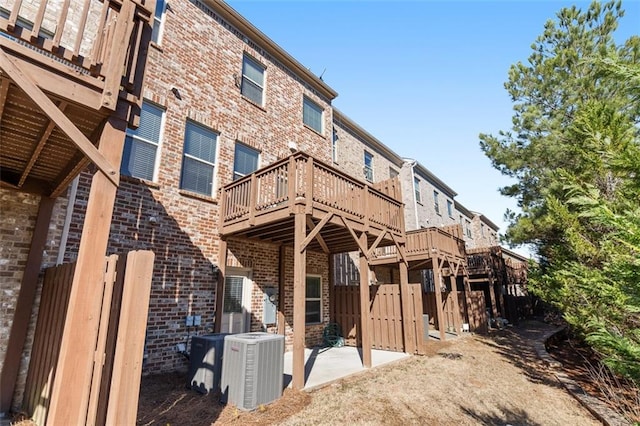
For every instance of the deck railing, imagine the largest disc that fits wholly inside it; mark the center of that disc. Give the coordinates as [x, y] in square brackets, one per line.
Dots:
[301, 179]
[104, 39]
[427, 243]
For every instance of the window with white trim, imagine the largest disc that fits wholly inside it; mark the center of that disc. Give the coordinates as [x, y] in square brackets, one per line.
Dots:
[313, 301]
[368, 166]
[393, 173]
[468, 228]
[158, 21]
[245, 161]
[199, 159]
[252, 86]
[450, 208]
[334, 147]
[416, 188]
[142, 145]
[312, 114]
[436, 202]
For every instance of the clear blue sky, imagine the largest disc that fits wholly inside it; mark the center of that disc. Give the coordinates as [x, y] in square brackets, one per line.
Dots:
[423, 77]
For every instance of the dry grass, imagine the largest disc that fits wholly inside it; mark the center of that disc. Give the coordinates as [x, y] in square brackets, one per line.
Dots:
[473, 380]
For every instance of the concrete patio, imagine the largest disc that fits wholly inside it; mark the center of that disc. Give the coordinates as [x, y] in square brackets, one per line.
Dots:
[326, 365]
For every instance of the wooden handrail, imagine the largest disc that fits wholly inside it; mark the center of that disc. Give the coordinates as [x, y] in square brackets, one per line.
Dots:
[313, 183]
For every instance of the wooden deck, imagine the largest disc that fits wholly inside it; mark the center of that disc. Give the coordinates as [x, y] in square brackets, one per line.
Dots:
[262, 206]
[64, 66]
[71, 79]
[424, 245]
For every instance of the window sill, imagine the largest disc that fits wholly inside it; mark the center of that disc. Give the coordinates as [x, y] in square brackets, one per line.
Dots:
[313, 130]
[197, 196]
[131, 179]
[156, 46]
[260, 107]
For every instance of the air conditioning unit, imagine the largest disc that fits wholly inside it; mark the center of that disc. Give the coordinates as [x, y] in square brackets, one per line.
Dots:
[252, 369]
[205, 369]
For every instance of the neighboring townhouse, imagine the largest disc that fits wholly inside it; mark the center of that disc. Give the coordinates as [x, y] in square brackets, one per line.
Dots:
[485, 232]
[465, 218]
[355, 149]
[428, 200]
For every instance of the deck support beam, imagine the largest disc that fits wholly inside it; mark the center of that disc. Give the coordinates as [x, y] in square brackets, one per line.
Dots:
[365, 320]
[70, 394]
[410, 345]
[24, 305]
[281, 286]
[299, 297]
[438, 286]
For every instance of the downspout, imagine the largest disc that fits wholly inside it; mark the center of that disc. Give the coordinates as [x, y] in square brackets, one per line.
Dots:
[67, 220]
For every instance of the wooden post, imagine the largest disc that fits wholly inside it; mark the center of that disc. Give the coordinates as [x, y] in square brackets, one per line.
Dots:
[222, 267]
[281, 284]
[456, 304]
[410, 344]
[467, 292]
[299, 298]
[332, 287]
[438, 285]
[70, 395]
[365, 311]
[492, 296]
[24, 305]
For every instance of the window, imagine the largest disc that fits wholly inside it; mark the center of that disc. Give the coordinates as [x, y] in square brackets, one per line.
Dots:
[416, 188]
[141, 145]
[158, 21]
[393, 173]
[313, 302]
[312, 115]
[368, 166]
[436, 203]
[468, 228]
[199, 159]
[450, 208]
[252, 86]
[482, 229]
[245, 161]
[334, 147]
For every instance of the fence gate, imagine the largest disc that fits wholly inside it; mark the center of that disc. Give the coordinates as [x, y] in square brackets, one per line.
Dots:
[113, 397]
[386, 316]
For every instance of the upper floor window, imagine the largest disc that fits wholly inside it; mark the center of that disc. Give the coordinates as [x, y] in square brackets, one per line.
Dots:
[334, 146]
[245, 161]
[450, 208]
[158, 21]
[368, 166]
[482, 229]
[468, 228]
[312, 114]
[198, 161]
[313, 302]
[393, 173]
[436, 202]
[141, 146]
[416, 188]
[252, 86]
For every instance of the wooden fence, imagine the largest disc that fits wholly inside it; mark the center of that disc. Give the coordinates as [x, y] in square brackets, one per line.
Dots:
[476, 312]
[387, 317]
[115, 385]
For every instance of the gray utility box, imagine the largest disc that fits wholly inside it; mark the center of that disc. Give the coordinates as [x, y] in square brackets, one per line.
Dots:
[252, 369]
[205, 368]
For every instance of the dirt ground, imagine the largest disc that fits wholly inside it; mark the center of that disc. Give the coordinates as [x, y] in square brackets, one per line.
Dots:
[495, 379]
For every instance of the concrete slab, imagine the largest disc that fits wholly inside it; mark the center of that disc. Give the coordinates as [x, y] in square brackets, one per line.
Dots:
[326, 365]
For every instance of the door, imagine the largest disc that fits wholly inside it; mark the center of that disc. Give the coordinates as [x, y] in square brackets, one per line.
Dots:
[236, 308]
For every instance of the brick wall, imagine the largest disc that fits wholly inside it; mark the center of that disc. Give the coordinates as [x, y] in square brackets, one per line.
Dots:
[202, 61]
[17, 221]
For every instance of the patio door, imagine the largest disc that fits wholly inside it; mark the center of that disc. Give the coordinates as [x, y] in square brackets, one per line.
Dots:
[236, 309]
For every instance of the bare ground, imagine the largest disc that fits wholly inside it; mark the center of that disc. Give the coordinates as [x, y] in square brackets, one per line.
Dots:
[494, 379]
